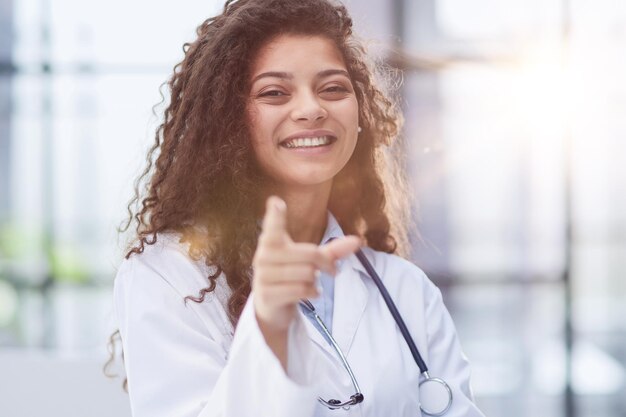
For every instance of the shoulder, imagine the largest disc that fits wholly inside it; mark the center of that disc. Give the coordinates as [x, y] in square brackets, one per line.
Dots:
[167, 261]
[162, 276]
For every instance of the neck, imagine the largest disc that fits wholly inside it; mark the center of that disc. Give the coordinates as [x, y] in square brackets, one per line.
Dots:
[306, 211]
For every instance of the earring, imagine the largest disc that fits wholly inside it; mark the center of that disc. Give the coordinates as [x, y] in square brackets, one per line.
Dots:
[359, 129]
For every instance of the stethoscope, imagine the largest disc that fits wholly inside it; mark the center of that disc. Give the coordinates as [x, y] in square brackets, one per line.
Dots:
[435, 393]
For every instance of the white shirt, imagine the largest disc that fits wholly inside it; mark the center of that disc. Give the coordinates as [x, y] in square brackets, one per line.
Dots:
[182, 360]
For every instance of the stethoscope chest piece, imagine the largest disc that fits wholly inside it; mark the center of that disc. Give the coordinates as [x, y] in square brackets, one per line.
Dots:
[435, 396]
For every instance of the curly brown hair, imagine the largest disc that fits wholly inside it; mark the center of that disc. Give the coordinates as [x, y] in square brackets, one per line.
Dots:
[202, 180]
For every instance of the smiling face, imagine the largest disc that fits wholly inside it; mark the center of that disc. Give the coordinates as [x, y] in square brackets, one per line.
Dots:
[302, 110]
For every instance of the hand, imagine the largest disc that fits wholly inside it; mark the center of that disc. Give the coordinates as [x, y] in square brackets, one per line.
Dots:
[285, 271]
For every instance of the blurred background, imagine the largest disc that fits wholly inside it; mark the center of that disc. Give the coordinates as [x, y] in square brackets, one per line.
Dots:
[514, 140]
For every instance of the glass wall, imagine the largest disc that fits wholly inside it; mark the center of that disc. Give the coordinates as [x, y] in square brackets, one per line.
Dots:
[515, 124]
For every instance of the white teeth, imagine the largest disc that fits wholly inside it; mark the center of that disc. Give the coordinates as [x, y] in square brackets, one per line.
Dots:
[308, 142]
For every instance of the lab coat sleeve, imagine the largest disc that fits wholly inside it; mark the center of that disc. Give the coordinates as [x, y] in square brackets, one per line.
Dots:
[176, 367]
[446, 358]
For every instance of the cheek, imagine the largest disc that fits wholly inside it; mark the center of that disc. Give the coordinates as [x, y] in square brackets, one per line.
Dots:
[350, 111]
[261, 123]
[356, 110]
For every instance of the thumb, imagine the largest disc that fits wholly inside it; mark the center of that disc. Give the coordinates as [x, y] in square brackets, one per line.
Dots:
[342, 247]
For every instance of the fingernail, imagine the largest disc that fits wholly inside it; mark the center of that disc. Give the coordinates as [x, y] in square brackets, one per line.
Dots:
[279, 204]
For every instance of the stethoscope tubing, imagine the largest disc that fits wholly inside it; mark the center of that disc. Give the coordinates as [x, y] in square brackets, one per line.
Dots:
[409, 340]
[394, 312]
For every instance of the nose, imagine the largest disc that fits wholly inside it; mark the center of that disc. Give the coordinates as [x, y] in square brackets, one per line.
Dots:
[308, 108]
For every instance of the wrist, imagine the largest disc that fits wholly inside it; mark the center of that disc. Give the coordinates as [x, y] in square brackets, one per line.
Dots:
[276, 338]
[275, 324]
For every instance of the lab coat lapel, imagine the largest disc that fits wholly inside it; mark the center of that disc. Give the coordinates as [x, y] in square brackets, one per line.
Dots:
[316, 336]
[350, 301]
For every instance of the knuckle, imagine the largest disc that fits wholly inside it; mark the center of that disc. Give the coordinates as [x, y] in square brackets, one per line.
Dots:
[320, 257]
[306, 251]
[262, 257]
[315, 255]
[306, 273]
[307, 247]
[310, 270]
[310, 290]
[304, 291]
[261, 294]
[261, 275]
[261, 252]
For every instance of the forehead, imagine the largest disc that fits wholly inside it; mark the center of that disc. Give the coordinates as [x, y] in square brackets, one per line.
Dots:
[290, 53]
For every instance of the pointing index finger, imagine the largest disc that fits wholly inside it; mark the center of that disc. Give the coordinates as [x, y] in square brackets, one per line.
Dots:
[274, 221]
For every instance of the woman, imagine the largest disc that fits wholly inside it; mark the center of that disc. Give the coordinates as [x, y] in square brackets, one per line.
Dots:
[269, 156]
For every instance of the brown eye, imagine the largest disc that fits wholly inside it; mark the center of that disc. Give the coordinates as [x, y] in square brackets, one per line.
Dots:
[272, 93]
[335, 92]
[335, 89]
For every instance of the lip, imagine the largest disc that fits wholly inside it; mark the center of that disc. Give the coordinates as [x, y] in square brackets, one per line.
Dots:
[310, 134]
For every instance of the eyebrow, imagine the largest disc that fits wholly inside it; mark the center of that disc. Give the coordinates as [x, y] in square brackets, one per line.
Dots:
[289, 76]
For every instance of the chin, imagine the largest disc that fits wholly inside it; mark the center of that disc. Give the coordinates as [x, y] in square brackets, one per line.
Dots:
[310, 178]
[310, 181]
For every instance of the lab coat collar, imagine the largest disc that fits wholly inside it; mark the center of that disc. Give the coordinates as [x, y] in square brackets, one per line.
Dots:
[350, 298]
[333, 230]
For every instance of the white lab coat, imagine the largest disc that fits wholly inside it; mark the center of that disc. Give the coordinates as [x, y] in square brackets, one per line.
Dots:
[182, 359]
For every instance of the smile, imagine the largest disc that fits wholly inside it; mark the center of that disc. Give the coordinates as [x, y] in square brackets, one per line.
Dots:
[308, 142]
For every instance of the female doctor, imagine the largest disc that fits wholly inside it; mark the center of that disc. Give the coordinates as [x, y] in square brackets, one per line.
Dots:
[242, 294]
